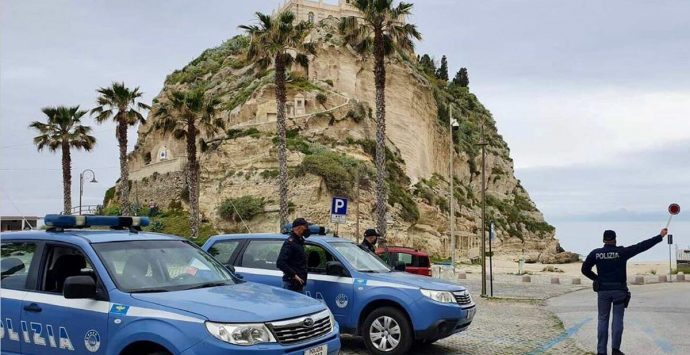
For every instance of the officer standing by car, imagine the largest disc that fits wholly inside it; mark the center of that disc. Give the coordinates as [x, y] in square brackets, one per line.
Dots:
[370, 238]
[292, 260]
[610, 283]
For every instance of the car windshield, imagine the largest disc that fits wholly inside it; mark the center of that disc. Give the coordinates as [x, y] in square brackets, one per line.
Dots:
[361, 260]
[160, 266]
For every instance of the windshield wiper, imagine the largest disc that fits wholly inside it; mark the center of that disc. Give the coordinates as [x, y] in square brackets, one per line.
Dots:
[150, 290]
[209, 284]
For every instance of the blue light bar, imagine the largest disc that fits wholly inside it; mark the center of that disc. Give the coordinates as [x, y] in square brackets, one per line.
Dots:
[315, 229]
[63, 221]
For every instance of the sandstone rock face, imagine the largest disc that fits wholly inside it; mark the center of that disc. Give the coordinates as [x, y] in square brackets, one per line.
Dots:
[243, 160]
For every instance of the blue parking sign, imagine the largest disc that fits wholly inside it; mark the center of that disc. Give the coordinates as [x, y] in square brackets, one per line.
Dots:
[338, 209]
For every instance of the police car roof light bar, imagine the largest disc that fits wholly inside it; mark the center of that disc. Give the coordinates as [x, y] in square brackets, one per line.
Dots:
[60, 222]
[313, 228]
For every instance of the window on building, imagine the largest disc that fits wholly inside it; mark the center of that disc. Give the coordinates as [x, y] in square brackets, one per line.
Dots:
[311, 17]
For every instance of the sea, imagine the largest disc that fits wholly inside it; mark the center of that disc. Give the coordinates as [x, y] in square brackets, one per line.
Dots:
[581, 237]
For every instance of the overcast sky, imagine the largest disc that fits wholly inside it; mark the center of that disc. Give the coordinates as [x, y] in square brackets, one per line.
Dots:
[592, 97]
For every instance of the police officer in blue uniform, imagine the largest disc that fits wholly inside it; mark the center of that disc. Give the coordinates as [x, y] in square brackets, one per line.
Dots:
[610, 283]
[370, 238]
[292, 260]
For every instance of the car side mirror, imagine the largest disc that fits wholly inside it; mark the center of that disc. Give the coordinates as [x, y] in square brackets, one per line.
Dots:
[336, 268]
[400, 266]
[79, 287]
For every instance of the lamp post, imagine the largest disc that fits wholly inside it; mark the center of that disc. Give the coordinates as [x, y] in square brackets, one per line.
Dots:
[454, 126]
[81, 184]
[483, 144]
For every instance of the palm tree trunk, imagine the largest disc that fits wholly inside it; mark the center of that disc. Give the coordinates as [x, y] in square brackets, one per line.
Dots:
[380, 81]
[124, 169]
[192, 177]
[66, 178]
[282, 145]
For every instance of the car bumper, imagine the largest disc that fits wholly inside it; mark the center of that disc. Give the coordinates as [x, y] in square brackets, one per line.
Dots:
[217, 347]
[450, 319]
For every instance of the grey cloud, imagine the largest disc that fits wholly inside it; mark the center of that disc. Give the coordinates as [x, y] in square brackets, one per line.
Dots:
[636, 186]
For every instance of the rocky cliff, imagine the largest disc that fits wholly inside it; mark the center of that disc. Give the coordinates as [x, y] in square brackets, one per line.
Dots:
[331, 148]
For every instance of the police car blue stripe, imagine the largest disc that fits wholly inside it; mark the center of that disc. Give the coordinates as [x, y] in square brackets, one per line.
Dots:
[94, 306]
[338, 279]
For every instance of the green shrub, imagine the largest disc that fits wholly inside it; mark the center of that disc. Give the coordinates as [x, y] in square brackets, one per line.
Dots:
[397, 194]
[175, 206]
[357, 112]
[109, 195]
[237, 133]
[269, 174]
[338, 171]
[329, 82]
[242, 208]
[112, 210]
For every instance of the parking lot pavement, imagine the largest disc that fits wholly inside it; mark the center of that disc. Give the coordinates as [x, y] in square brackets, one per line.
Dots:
[656, 322]
[500, 327]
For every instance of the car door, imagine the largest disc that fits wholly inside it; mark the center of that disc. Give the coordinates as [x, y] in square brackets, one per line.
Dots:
[19, 260]
[256, 262]
[335, 291]
[55, 324]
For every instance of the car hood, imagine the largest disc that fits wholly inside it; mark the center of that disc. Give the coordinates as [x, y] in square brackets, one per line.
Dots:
[411, 280]
[245, 302]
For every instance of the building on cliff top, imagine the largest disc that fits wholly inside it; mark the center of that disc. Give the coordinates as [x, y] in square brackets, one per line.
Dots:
[315, 11]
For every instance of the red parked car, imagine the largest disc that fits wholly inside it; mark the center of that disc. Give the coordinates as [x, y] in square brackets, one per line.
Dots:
[416, 262]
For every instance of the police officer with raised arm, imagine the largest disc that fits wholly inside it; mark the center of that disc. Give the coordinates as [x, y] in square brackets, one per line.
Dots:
[610, 283]
[292, 260]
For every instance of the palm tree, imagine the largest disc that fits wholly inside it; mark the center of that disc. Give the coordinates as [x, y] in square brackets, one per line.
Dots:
[64, 130]
[380, 31]
[186, 115]
[121, 104]
[282, 42]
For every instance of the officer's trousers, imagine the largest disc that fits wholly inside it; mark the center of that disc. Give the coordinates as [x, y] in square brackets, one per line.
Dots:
[610, 299]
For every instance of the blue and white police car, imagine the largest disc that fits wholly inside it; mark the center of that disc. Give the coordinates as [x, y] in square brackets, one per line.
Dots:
[69, 290]
[391, 310]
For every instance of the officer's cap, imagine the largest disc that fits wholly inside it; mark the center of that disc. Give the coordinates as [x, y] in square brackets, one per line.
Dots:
[609, 235]
[371, 233]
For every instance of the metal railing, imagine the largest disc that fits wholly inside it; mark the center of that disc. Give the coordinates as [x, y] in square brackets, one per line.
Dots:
[87, 210]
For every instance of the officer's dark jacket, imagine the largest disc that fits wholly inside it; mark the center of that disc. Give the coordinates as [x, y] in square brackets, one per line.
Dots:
[368, 246]
[293, 259]
[610, 261]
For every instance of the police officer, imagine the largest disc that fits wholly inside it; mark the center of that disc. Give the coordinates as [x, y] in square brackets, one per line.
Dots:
[292, 260]
[370, 238]
[610, 282]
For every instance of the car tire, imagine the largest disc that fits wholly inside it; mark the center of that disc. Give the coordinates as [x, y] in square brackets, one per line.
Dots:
[386, 331]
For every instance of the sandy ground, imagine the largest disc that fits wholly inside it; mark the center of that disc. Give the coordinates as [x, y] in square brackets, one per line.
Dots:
[505, 264]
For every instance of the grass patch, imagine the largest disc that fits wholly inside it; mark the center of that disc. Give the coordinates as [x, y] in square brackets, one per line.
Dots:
[238, 133]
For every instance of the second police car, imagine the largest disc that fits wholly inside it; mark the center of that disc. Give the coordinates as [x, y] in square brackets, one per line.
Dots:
[390, 310]
[78, 291]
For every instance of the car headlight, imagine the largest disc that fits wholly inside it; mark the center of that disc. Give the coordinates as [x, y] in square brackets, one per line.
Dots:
[241, 334]
[439, 296]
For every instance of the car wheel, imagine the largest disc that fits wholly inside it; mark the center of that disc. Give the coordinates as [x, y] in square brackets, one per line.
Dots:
[386, 331]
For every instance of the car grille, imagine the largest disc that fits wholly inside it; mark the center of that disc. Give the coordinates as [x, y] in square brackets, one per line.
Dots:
[302, 328]
[462, 297]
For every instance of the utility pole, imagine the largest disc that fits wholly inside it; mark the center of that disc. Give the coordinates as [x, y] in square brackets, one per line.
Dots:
[451, 175]
[483, 144]
[357, 208]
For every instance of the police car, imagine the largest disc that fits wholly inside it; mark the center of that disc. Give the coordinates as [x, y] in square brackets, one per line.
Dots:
[391, 310]
[74, 291]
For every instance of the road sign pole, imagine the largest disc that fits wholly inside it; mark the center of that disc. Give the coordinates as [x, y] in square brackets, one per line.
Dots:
[670, 258]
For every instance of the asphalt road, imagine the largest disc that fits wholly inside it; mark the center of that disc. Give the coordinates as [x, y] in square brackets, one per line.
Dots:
[656, 322]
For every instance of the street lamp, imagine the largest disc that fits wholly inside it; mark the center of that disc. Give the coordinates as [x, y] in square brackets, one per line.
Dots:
[454, 126]
[81, 184]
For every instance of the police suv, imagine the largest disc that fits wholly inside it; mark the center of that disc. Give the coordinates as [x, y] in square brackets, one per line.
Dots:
[390, 309]
[73, 291]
